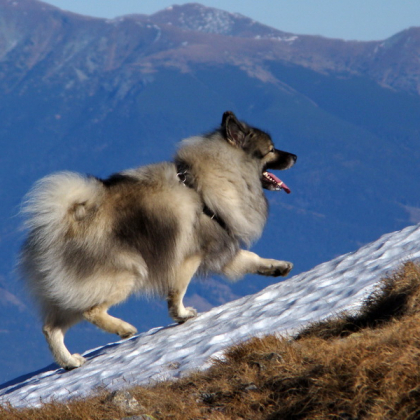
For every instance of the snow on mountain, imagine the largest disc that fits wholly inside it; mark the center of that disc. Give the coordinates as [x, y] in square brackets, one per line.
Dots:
[196, 17]
[211, 21]
[173, 351]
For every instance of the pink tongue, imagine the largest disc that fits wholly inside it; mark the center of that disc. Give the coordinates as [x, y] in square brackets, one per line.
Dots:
[281, 183]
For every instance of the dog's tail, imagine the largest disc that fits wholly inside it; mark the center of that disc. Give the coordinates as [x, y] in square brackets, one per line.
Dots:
[59, 201]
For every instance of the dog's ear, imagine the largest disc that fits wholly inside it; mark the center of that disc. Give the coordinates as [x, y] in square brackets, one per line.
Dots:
[235, 132]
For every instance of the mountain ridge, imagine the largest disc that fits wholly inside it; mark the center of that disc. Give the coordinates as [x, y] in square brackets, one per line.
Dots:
[186, 27]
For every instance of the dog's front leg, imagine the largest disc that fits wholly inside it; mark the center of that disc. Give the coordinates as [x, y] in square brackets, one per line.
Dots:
[54, 334]
[184, 274]
[246, 262]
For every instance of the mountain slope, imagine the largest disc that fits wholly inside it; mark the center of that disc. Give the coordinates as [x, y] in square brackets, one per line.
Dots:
[98, 96]
[163, 353]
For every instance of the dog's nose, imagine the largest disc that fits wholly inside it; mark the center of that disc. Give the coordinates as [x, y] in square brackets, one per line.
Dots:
[294, 157]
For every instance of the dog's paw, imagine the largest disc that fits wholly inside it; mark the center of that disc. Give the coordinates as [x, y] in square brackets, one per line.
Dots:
[74, 362]
[127, 330]
[184, 315]
[284, 270]
[276, 268]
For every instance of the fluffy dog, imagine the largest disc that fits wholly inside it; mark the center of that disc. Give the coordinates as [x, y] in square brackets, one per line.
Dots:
[94, 242]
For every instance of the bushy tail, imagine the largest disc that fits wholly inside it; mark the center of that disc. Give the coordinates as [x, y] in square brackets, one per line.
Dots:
[58, 201]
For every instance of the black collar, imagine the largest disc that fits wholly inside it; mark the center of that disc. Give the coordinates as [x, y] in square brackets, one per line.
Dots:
[185, 178]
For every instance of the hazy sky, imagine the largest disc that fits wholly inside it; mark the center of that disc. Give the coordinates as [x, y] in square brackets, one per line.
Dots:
[347, 19]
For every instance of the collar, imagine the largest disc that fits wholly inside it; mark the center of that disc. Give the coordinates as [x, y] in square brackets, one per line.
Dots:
[185, 178]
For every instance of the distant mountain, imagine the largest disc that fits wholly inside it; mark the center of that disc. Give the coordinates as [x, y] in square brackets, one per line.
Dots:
[36, 36]
[98, 96]
[392, 63]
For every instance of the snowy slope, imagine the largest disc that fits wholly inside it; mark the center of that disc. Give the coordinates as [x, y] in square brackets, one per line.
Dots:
[173, 351]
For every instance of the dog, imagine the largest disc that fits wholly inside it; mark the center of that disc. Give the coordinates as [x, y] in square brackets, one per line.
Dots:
[91, 242]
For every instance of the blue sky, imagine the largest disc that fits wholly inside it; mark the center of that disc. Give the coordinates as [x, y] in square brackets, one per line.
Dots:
[346, 19]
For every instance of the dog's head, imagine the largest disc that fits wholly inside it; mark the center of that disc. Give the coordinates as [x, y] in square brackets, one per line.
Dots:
[259, 145]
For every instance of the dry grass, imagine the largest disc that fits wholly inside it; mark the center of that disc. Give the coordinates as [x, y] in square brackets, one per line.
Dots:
[363, 366]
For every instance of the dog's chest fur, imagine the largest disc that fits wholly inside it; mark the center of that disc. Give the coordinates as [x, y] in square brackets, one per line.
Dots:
[228, 182]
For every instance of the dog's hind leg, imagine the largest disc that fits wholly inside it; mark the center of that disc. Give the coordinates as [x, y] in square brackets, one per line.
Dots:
[184, 274]
[99, 316]
[54, 335]
[246, 262]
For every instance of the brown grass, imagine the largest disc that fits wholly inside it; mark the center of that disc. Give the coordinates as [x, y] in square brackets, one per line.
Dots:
[360, 366]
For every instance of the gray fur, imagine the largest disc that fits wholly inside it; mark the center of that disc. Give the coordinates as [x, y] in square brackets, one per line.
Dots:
[92, 242]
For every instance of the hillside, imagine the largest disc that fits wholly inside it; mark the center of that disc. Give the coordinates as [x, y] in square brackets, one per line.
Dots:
[177, 350]
[98, 96]
[356, 364]
[359, 366]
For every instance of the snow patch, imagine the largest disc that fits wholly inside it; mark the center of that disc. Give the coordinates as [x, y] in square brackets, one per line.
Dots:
[278, 38]
[81, 75]
[210, 21]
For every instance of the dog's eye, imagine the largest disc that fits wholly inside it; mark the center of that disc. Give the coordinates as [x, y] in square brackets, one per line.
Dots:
[272, 150]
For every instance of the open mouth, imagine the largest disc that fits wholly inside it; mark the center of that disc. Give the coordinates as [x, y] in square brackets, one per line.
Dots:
[271, 182]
